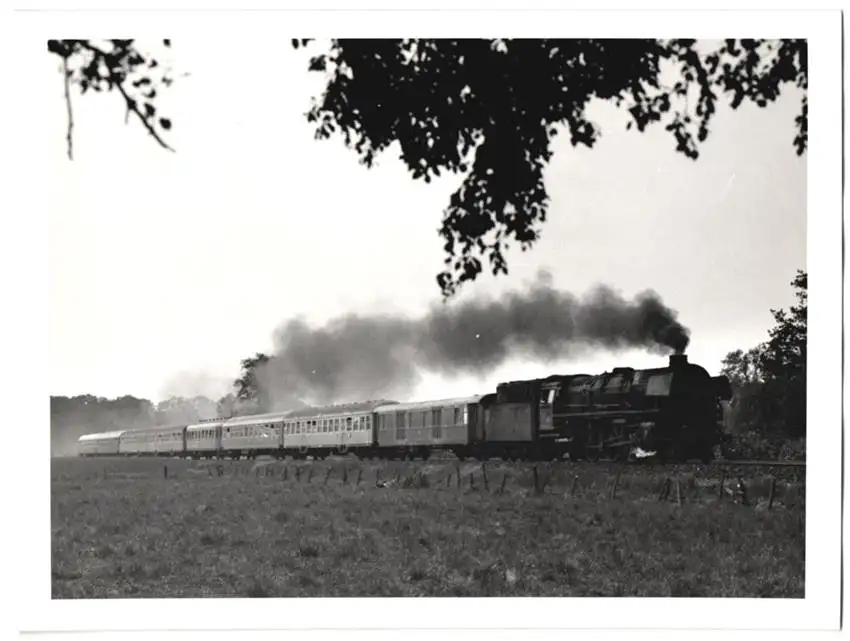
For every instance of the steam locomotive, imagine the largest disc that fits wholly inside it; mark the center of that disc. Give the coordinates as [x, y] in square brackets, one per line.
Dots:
[668, 413]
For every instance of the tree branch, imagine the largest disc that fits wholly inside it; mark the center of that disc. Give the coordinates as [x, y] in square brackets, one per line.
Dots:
[69, 135]
[117, 81]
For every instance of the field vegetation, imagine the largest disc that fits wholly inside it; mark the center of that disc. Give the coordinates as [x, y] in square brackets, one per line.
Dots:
[176, 528]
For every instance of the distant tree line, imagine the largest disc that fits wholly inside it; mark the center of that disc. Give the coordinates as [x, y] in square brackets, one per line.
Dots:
[769, 380]
[71, 417]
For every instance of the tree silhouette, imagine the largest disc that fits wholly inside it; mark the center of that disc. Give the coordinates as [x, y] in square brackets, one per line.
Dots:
[248, 387]
[490, 108]
[770, 379]
[783, 360]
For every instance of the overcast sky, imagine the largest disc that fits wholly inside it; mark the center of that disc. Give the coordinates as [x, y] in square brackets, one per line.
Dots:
[167, 269]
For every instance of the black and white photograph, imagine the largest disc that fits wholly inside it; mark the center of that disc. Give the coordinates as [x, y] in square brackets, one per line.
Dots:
[354, 329]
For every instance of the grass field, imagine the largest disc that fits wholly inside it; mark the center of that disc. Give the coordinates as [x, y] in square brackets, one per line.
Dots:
[121, 528]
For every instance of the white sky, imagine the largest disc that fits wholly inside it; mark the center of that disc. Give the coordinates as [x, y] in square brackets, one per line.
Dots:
[167, 269]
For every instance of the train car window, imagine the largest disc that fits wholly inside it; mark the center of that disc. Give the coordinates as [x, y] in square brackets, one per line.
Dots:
[456, 416]
[636, 379]
[349, 425]
[436, 417]
[368, 423]
[465, 416]
[597, 383]
[423, 416]
[400, 425]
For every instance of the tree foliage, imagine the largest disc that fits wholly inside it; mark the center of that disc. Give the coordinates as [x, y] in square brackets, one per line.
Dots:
[249, 391]
[489, 109]
[118, 65]
[770, 379]
[71, 417]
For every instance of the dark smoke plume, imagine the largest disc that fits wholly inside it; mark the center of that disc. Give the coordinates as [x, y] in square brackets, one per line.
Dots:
[358, 357]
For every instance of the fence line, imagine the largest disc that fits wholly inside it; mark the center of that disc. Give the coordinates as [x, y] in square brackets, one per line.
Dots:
[738, 491]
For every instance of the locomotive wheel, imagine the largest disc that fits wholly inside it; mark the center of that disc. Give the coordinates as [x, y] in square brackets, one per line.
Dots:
[593, 447]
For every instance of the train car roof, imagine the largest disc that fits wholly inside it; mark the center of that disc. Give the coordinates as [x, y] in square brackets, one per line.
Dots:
[99, 436]
[404, 407]
[257, 418]
[155, 428]
[340, 410]
[206, 424]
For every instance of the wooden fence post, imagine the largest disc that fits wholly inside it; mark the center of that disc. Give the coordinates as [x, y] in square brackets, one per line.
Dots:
[472, 481]
[359, 475]
[457, 469]
[573, 487]
[772, 492]
[165, 471]
[742, 491]
[345, 475]
[328, 475]
[484, 474]
[536, 480]
[504, 480]
[614, 486]
[298, 473]
[665, 490]
[678, 492]
[722, 482]
[285, 473]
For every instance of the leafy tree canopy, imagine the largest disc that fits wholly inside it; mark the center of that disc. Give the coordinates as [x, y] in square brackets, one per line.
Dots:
[770, 379]
[488, 109]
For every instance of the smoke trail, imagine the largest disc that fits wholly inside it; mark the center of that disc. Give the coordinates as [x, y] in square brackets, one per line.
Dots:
[355, 357]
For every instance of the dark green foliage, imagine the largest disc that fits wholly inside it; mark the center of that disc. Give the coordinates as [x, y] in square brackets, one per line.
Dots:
[490, 108]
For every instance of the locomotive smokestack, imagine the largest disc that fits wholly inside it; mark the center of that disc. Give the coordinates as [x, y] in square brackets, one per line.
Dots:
[678, 360]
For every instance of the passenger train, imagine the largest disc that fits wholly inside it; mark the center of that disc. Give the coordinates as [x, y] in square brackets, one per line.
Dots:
[672, 412]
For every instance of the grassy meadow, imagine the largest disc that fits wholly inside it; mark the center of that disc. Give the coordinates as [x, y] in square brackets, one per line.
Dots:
[131, 528]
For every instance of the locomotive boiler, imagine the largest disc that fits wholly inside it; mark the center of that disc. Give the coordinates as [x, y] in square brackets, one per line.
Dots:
[671, 412]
